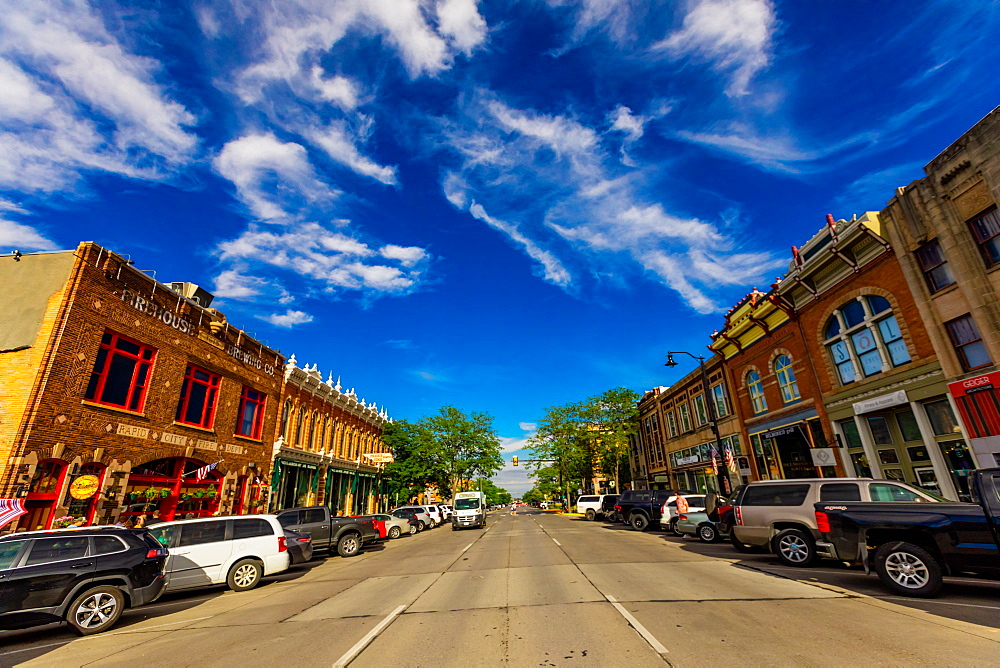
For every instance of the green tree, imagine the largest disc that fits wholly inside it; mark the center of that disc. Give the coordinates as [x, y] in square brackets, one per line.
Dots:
[467, 444]
[532, 496]
[495, 496]
[612, 418]
[419, 460]
[561, 440]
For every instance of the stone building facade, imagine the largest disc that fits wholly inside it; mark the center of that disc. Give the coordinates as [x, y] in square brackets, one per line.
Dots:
[945, 228]
[116, 393]
[328, 448]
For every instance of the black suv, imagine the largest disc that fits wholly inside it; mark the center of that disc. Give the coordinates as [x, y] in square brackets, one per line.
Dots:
[85, 576]
[641, 507]
[608, 511]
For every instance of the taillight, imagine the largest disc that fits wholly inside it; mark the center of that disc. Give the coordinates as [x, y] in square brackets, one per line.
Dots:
[822, 522]
[682, 517]
[618, 508]
[663, 509]
[282, 544]
[739, 515]
[153, 554]
[306, 539]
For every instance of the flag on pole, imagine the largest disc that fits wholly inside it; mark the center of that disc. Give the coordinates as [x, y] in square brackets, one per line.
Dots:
[730, 459]
[200, 474]
[715, 464]
[10, 509]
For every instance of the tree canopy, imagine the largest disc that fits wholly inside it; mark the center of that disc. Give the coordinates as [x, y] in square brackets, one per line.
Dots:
[448, 449]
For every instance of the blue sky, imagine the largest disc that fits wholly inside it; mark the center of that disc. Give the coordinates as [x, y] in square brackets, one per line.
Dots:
[498, 205]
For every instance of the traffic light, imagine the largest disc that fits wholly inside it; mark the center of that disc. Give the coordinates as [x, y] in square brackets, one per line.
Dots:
[515, 460]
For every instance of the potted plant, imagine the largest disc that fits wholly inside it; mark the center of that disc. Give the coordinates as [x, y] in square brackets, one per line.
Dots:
[164, 493]
[212, 493]
[65, 521]
[150, 492]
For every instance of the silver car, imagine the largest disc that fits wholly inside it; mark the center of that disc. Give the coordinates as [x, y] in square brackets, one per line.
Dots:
[418, 513]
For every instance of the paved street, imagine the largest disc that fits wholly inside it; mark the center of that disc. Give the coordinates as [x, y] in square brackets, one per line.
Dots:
[541, 590]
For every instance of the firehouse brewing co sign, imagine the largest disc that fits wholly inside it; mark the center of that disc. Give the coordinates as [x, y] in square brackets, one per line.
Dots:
[179, 322]
[250, 360]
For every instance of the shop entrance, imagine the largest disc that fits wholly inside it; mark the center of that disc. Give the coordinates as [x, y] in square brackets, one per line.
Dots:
[42, 495]
[792, 448]
[168, 489]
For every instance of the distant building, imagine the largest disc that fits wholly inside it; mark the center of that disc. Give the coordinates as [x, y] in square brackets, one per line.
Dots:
[946, 229]
[120, 396]
[328, 448]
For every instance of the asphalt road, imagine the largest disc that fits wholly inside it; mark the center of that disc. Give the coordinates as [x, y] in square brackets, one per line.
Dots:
[541, 590]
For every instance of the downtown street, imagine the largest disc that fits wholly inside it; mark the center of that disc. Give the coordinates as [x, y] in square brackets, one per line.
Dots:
[540, 589]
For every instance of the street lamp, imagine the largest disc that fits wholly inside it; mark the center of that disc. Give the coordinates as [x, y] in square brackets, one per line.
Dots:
[723, 471]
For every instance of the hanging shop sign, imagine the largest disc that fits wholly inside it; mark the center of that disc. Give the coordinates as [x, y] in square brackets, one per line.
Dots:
[878, 403]
[823, 457]
[784, 431]
[743, 463]
[84, 487]
[180, 322]
[380, 457]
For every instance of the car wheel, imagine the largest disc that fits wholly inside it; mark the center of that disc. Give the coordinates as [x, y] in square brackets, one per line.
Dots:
[413, 529]
[349, 545]
[244, 575]
[394, 532]
[96, 610]
[674, 530]
[708, 533]
[638, 522]
[908, 569]
[421, 526]
[591, 515]
[794, 548]
[454, 527]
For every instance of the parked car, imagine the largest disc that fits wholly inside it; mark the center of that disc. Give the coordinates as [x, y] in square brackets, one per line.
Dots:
[592, 505]
[86, 577]
[912, 544]
[236, 551]
[608, 511]
[416, 513]
[346, 535]
[641, 507]
[668, 513]
[696, 523]
[779, 514]
[300, 547]
[429, 519]
[447, 511]
[436, 515]
[396, 527]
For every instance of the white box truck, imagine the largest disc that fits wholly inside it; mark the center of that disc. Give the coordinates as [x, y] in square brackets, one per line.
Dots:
[470, 510]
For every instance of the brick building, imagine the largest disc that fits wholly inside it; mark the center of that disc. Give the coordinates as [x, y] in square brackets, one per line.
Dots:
[328, 448]
[945, 228]
[776, 389]
[115, 390]
[883, 388]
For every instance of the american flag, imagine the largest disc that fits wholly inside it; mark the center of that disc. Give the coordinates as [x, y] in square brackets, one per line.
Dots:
[10, 509]
[715, 464]
[730, 459]
[200, 474]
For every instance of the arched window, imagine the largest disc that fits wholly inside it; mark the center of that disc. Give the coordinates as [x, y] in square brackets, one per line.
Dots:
[312, 432]
[786, 379]
[863, 338]
[756, 392]
[286, 414]
[299, 425]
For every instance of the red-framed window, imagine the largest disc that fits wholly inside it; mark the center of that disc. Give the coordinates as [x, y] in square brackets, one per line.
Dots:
[121, 372]
[968, 343]
[199, 395]
[250, 420]
[986, 229]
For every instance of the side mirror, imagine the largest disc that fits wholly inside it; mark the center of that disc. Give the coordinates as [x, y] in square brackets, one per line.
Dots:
[711, 504]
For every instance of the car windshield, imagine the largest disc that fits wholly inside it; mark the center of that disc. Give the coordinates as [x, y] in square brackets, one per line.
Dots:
[466, 504]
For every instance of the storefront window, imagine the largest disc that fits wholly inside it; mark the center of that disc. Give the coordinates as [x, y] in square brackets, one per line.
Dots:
[167, 489]
[908, 426]
[942, 419]
[851, 435]
[863, 335]
[880, 430]
[198, 394]
[87, 506]
[251, 416]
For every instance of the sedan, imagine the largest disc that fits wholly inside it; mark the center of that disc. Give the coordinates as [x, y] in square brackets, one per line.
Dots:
[300, 546]
[397, 526]
[696, 523]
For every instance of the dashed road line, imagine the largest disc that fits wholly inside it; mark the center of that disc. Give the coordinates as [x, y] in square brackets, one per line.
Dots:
[647, 636]
[350, 654]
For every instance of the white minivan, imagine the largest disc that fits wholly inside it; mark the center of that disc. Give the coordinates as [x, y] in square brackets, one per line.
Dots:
[237, 551]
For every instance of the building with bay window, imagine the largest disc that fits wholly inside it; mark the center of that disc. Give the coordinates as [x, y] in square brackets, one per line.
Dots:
[328, 447]
[946, 229]
[121, 396]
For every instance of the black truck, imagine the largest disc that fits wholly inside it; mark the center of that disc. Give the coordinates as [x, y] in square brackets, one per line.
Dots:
[911, 546]
[640, 508]
[346, 535]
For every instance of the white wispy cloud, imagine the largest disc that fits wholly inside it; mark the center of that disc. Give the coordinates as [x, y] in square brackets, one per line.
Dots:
[15, 236]
[288, 319]
[552, 268]
[734, 36]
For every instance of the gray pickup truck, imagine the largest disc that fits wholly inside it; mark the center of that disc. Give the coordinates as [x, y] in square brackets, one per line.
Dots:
[346, 535]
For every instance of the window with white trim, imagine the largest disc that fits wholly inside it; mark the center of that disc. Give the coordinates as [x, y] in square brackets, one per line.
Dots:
[719, 397]
[756, 389]
[671, 424]
[685, 417]
[700, 412]
[863, 339]
[786, 379]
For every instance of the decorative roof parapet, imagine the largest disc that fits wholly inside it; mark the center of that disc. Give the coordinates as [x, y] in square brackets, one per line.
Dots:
[309, 378]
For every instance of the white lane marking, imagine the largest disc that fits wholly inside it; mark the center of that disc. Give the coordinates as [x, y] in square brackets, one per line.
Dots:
[467, 547]
[931, 601]
[556, 542]
[105, 635]
[371, 635]
[649, 637]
